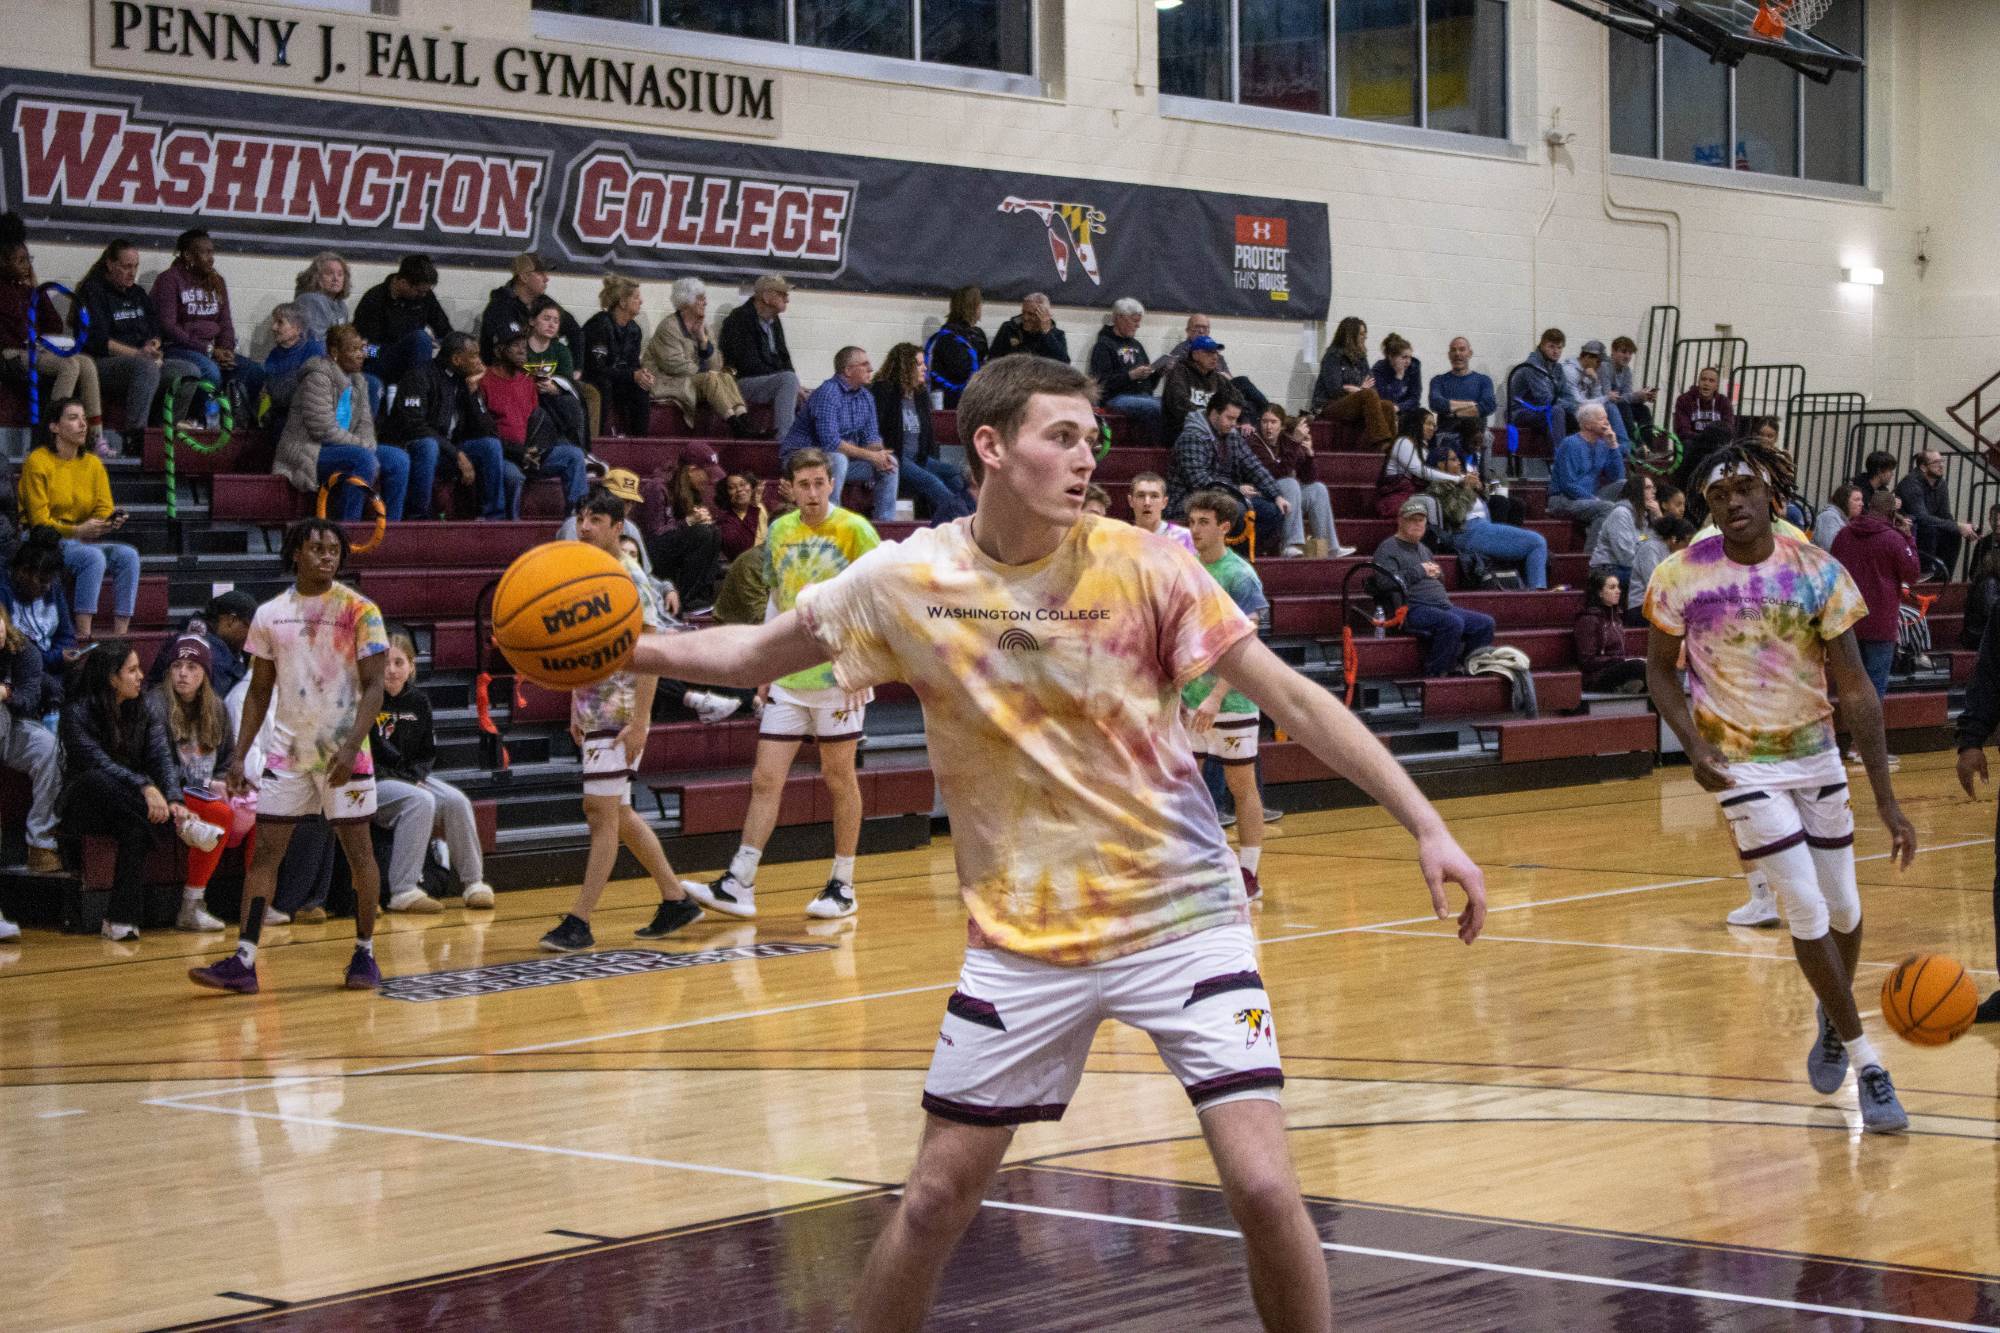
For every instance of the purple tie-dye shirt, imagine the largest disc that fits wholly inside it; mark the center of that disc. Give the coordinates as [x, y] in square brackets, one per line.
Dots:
[316, 644]
[1756, 642]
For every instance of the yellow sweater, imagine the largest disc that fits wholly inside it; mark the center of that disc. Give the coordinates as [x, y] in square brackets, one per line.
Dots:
[63, 494]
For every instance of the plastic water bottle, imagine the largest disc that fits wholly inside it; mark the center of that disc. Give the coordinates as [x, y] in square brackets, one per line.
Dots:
[214, 415]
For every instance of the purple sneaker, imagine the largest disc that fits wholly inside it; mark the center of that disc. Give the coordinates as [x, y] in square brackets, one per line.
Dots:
[232, 973]
[362, 974]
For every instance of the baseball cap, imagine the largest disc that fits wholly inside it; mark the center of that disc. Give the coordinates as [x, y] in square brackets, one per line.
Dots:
[1412, 506]
[1204, 344]
[624, 484]
[1592, 348]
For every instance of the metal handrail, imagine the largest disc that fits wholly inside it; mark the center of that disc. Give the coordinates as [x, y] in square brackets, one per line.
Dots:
[1972, 413]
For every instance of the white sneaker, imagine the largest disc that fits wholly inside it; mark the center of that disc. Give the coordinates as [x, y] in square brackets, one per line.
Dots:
[415, 900]
[478, 894]
[1759, 911]
[115, 930]
[273, 917]
[712, 707]
[1293, 550]
[194, 917]
[8, 930]
[728, 895]
[834, 901]
[1341, 552]
[200, 834]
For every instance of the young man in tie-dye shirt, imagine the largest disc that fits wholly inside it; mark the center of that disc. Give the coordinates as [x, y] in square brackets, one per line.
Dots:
[810, 545]
[1765, 619]
[1049, 650]
[1221, 722]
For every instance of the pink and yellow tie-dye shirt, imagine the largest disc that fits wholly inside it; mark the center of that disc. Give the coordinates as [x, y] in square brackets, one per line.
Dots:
[316, 644]
[1756, 642]
[1051, 696]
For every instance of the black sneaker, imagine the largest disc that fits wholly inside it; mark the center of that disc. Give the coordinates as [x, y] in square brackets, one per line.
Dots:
[1989, 1009]
[671, 916]
[834, 901]
[571, 933]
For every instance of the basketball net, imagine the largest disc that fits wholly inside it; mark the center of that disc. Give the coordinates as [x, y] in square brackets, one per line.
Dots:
[1774, 16]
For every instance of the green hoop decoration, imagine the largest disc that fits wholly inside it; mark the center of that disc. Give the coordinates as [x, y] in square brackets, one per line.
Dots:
[175, 436]
[1673, 458]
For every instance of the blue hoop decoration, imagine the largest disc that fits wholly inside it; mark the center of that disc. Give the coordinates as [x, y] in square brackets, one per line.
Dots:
[960, 339]
[35, 339]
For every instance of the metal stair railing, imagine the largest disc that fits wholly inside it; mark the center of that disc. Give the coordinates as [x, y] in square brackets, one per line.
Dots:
[1973, 411]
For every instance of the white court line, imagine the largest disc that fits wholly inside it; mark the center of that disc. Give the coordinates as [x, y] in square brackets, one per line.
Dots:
[1509, 907]
[1636, 948]
[1512, 1270]
[624, 1159]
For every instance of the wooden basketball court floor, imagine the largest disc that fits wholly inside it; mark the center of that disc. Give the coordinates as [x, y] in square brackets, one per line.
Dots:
[1595, 1118]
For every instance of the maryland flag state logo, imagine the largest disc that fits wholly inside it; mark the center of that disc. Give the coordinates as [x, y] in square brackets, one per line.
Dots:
[1070, 228]
[1256, 1023]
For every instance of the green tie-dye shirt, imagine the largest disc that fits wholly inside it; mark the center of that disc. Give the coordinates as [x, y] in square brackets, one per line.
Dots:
[1239, 579]
[797, 556]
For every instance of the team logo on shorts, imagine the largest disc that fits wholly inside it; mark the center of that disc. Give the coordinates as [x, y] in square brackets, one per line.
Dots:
[1019, 641]
[354, 797]
[1256, 1024]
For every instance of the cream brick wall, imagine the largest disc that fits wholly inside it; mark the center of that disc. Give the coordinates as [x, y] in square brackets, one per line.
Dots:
[1426, 242]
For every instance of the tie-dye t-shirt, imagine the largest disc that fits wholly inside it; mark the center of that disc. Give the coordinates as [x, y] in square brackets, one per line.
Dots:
[1240, 581]
[607, 705]
[1756, 643]
[316, 644]
[797, 556]
[1051, 694]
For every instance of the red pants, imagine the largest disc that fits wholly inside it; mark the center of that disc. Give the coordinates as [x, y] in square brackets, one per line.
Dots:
[238, 824]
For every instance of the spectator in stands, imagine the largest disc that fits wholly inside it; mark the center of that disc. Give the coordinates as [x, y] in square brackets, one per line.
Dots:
[191, 308]
[903, 414]
[1097, 500]
[120, 779]
[1669, 534]
[1033, 331]
[1345, 391]
[1621, 532]
[402, 320]
[687, 552]
[1284, 446]
[332, 430]
[1124, 374]
[321, 291]
[440, 403]
[1463, 400]
[124, 336]
[1988, 539]
[1878, 472]
[958, 349]
[1632, 403]
[38, 607]
[1147, 495]
[223, 625]
[1472, 527]
[753, 346]
[554, 372]
[510, 306]
[1399, 376]
[612, 358]
[1538, 392]
[1841, 508]
[623, 484]
[1405, 469]
[27, 747]
[1600, 638]
[1879, 555]
[203, 740]
[1448, 633]
[292, 345]
[1212, 454]
[1192, 383]
[64, 486]
[76, 375]
[1588, 469]
[687, 366]
[528, 436]
[742, 520]
[839, 420]
[1198, 327]
[1703, 406]
[409, 800]
[1673, 500]
[1926, 505]
[1587, 384]
[1980, 599]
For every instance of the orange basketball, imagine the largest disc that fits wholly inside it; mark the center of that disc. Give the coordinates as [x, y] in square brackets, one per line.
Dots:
[566, 614]
[1929, 1000]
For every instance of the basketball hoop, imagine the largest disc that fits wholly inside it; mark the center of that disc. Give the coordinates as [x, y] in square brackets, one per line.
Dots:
[1775, 16]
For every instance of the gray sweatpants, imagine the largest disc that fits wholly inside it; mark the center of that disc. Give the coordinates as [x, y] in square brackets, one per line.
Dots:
[27, 747]
[411, 810]
[780, 390]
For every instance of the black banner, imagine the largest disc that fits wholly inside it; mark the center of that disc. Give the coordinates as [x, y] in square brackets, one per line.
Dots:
[95, 158]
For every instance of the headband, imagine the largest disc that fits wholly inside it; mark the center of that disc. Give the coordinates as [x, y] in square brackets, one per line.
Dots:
[1724, 468]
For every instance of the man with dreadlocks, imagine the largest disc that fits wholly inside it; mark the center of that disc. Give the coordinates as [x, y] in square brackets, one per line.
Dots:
[1766, 617]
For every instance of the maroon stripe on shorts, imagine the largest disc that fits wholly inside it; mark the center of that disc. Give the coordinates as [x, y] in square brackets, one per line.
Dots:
[974, 1010]
[1829, 844]
[1210, 1088]
[1228, 981]
[967, 1114]
[1773, 848]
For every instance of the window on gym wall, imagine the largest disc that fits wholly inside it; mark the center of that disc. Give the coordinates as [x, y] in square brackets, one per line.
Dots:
[995, 35]
[1670, 102]
[1434, 64]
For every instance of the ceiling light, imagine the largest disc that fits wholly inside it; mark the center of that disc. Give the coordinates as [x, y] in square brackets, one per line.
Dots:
[1867, 277]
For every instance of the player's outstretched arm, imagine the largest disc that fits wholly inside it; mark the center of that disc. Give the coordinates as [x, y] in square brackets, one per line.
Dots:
[1861, 711]
[740, 655]
[1343, 744]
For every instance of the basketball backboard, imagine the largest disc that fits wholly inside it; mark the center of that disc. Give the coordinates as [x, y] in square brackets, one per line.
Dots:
[1721, 28]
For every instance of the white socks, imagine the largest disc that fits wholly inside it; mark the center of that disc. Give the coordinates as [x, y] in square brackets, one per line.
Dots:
[366, 946]
[843, 869]
[190, 894]
[1862, 1052]
[1248, 857]
[246, 951]
[743, 865]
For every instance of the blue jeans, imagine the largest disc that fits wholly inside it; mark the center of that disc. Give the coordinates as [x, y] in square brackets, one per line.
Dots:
[1449, 635]
[1877, 657]
[939, 485]
[385, 467]
[423, 455]
[1497, 541]
[564, 461]
[399, 358]
[884, 487]
[86, 563]
[489, 470]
